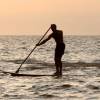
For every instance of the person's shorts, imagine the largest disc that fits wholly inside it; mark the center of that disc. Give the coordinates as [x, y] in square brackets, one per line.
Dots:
[59, 51]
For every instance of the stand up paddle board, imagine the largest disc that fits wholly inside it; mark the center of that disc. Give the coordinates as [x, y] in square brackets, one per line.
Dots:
[18, 74]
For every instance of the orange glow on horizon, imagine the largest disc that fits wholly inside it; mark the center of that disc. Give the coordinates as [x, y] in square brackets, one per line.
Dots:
[34, 16]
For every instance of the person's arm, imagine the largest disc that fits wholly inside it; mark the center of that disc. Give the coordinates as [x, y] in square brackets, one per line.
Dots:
[44, 41]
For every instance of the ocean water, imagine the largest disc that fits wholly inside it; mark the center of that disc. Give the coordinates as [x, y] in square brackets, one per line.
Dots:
[81, 69]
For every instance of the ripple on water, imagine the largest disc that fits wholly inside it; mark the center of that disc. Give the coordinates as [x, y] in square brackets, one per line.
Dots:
[15, 96]
[93, 87]
[48, 96]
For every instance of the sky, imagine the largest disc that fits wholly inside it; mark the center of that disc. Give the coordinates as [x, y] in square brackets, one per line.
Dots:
[32, 17]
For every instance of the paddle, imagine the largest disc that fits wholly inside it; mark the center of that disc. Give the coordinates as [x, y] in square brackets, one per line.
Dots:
[31, 51]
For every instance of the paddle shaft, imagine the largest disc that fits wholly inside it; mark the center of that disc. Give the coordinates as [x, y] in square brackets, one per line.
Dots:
[31, 51]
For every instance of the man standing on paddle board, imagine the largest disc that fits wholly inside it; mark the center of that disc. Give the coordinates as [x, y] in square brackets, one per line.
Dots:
[57, 35]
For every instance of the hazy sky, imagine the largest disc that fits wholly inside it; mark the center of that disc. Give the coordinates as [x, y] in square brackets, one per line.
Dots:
[35, 16]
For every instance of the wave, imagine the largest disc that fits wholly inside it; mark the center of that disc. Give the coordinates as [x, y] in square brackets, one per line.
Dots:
[81, 64]
[50, 64]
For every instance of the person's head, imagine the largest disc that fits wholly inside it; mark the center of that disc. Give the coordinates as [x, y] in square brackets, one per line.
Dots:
[53, 27]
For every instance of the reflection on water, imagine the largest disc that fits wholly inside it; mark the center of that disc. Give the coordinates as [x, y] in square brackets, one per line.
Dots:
[77, 84]
[81, 69]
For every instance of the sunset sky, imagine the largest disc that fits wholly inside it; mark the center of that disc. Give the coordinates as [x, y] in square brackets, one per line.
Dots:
[30, 17]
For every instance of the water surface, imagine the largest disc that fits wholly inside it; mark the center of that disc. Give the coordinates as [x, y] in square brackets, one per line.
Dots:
[81, 69]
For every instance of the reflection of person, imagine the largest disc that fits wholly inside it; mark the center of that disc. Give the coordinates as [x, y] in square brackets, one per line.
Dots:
[57, 35]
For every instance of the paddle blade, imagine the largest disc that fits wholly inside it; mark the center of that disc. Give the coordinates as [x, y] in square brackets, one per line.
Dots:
[17, 71]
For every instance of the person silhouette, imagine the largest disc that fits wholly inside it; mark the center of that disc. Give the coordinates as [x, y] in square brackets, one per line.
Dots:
[57, 35]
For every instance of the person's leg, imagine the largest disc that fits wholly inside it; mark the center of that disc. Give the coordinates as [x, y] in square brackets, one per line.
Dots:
[58, 65]
[60, 57]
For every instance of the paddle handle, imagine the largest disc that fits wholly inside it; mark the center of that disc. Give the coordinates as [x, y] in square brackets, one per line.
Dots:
[31, 51]
[44, 35]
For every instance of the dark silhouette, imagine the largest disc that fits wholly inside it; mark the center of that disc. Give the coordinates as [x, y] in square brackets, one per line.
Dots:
[57, 35]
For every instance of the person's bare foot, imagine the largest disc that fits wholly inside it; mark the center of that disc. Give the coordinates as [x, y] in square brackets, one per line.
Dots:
[57, 74]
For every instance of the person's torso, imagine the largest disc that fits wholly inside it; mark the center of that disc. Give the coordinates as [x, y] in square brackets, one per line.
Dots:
[58, 37]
